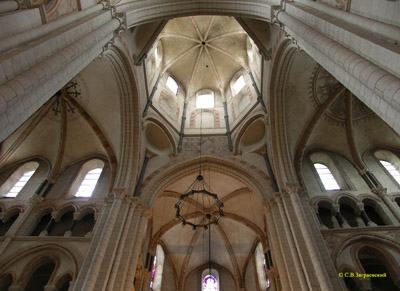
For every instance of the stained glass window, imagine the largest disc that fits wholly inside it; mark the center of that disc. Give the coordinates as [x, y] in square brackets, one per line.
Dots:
[210, 283]
[153, 272]
[266, 276]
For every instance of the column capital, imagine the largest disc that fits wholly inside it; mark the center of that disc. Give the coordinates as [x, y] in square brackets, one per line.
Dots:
[35, 199]
[359, 208]
[335, 208]
[267, 207]
[77, 215]
[292, 188]
[115, 194]
[54, 215]
[4, 217]
[380, 191]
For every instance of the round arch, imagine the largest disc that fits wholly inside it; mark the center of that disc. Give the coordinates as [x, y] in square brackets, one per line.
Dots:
[253, 178]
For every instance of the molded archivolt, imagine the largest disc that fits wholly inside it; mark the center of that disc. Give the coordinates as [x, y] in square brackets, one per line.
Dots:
[22, 264]
[157, 181]
[284, 166]
[346, 255]
[129, 161]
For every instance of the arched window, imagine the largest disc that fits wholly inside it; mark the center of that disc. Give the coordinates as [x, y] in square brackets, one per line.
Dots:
[172, 85]
[4, 227]
[205, 100]
[210, 282]
[326, 177]
[13, 186]
[62, 225]
[157, 269]
[89, 182]
[239, 84]
[391, 169]
[261, 268]
[41, 226]
[372, 264]
[87, 179]
[40, 277]
[5, 282]
[84, 225]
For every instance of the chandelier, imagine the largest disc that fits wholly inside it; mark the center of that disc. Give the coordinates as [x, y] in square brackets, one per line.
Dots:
[199, 197]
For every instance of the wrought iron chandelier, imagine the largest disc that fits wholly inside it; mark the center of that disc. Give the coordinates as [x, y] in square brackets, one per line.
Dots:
[199, 195]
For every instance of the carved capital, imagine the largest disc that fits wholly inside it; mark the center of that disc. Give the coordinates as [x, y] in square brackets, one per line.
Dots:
[4, 217]
[77, 215]
[267, 206]
[380, 191]
[35, 199]
[335, 208]
[292, 188]
[359, 208]
[116, 194]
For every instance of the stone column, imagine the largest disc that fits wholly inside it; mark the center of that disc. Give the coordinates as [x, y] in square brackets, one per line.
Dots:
[382, 193]
[90, 268]
[73, 224]
[295, 268]
[47, 76]
[271, 277]
[364, 216]
[321, 273]
[50, 225]
[321, 224]
[7, 6]
[136, 243]
[342, 222]
[377, 89]
[275, 245]
[19, 223]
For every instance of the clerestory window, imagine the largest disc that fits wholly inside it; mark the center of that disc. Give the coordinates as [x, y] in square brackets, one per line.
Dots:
[210, 283]
[391, 169]
[326, 177]
[205, 101]
[157, 269]
[89, 183]
[239, 84]
[17, 181]
[19, 185]
[210, 280]
[172, 85]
